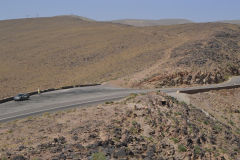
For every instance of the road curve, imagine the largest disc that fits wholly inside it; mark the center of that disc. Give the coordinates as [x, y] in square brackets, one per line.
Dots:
[82, 96]
[63, 99]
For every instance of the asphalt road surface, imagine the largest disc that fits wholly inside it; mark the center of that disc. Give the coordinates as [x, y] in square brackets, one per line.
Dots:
[62, 99]
[82, 96]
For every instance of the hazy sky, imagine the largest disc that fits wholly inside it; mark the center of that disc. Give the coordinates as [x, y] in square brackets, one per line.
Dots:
[196, 10]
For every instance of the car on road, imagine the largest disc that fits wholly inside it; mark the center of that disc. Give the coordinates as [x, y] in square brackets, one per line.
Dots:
[21, 97]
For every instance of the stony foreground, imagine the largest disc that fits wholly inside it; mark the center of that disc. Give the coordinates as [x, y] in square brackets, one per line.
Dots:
[151, 126]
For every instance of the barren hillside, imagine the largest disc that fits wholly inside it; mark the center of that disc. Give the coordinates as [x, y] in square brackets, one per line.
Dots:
[53, 52]
[144, 22]
[232, 21]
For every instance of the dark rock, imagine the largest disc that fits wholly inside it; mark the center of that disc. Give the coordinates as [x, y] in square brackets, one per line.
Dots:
[184, 130]
[124, 144]
[236, 111]
[138, 150]
[223, 158]
[228, 135]
[152, 132]
[45, 146]
[35, 151]
[148, 111]
[109, 151]
[203, 137]
[128, 138]
[120, 153]
[199, 141]
[92, 146]
[79, 146]
[117, 133]
[19, 157]
[134, 115]
[159, 119]
[189, 142]
[105, 143]
[8, 154]
[56, 150]
[129, 113]
[68, 149]
[75, 138]
[236, 140]
[60, 140]
[62, 156]
[195, 128]
[92, 136]
[212, 139]
[21, 148]
[151, 152]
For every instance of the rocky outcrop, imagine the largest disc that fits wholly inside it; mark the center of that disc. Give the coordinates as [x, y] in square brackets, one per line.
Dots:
[192, 78]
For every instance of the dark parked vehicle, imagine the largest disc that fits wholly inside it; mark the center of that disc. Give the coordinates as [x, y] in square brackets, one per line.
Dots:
[21, 97]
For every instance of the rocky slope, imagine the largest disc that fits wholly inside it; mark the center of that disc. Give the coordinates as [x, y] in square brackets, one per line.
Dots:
[152, 126]
[207, 61]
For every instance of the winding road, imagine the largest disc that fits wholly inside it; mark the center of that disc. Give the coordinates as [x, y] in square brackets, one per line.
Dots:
[84, 96]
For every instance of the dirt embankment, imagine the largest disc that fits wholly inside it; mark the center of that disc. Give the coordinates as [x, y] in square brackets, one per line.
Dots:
[152, 126]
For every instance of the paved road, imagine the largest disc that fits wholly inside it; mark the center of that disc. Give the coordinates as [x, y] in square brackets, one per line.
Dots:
[75, 97]
[62, 99]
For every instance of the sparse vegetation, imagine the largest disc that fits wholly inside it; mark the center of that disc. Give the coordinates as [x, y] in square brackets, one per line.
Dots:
[131, 96]
[217, 127]
[175, 140]
[197, 150]
[182, 148]
[238, 131]
[177, 113]
[206, 122]
[232, 123]
[99, 156]
[109, 102]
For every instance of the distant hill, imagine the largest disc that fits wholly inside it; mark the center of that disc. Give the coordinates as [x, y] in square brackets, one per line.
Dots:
[142, 22]
[231, 21]
[78, 17]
